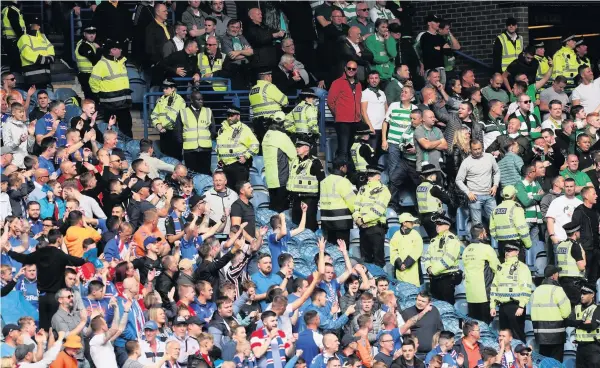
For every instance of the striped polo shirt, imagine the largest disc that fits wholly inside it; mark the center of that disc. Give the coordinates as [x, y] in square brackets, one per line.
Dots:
[398, 119]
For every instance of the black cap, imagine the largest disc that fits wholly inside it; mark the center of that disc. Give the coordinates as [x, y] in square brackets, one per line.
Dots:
[539, 45]
[362, 129]
[339, 161]
[432, 18]
[349, 339]
[429, 169]
[264, 71]
[511, 246]
[4, 178]
[580, 42]
[89, 29]
[374, 170]
[9, 328]
[113, 44]
[180, 321]
[233, 110]
[521, 348]
[194, 320]
[140, 184]
[512, 21]
[395, 28]
[308, 92]
[571, 227]
[303, 140]
[551, 270]
[441, 219]
[588, 288]
[169, 83]
[34, 19]
[195, 200]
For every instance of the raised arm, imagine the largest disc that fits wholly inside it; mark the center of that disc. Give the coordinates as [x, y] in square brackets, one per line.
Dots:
[343, 277]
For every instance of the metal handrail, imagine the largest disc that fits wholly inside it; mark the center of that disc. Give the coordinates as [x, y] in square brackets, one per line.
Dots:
[472, 59]
[212, 79]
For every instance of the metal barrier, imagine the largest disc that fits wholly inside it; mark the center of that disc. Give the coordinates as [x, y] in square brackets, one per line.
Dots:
[88, 17]
[472, 59]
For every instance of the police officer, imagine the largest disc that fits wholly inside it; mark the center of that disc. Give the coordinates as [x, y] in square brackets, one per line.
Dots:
[550, 307]
[13, 27]
[570, 257]
[481, 264]
[544, 65]
[306, 173]
[370, 216]
[430, 197]
[195, 127]
[362, 154]
[511, 291]
[441, 260]
[586, 319]
[236, 144]
[581, 58]
[406, 248]
[507, 46]
[565, 62]
[86, 54]
[278, 152]
[37, 53]
[164, 116]
[109, 81]
[507, 223]
[304, 118]
[265, 100]
[337, 203]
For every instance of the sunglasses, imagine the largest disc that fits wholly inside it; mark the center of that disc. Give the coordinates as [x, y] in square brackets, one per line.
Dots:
[11, 79]
[365, 9]
[211, 44]
[526, 101]
[119, 160]
[525, 354]
[68, 296]
[351, 69]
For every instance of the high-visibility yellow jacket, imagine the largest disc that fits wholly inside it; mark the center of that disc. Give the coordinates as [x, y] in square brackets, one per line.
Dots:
[442, 254]
[550, 306]
[278, 153]
[508, 223]
[481, 263]
[305, 117]
[266, 99]
[371, 203]
[166, 110]
[235, 140]
[83, 63]
[565, 261]
[512, 283]
[426, 202]
[301, 180]
[110, 82]
[586, 314]
[565, 64]
[360, 163]
[337, 203]
[7, 28]
[207, 65]
[37, 53]
[542, 69]
[510, 50]
[196, 130]
[406, 249]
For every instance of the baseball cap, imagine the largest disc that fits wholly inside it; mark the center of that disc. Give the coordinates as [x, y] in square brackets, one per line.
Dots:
[180, 321]
[195, 200]
[509, 191]
[432, 18]
[21, 351]
[194, 320]
[349, 339]
[151, 325]
[151, 240]
[521, 348]
[9, 328]
[406, 217]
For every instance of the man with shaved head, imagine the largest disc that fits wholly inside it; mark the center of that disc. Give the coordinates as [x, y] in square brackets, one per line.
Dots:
[134, 329]
[331, 345]
[261, 38]
[41, 178]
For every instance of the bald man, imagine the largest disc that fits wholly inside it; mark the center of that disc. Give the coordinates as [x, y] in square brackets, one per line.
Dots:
[260, 38]
[331, 345]
[41, 177]
[135, 318]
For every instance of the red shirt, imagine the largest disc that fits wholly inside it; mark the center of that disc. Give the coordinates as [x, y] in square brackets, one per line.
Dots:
[343, 101]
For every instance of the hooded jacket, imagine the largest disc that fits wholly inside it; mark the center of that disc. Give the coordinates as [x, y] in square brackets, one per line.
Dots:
[12, 131]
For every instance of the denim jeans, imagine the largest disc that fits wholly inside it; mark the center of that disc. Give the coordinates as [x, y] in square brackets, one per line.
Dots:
[345, 139]
[534, 233]
[484, 202]
[394, 158]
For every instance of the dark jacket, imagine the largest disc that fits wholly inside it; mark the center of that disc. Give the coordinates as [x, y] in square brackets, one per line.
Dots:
[135, 211]
[155, 40]
[51, 263]
[454, 123]
[400, 362]
[260, 38]
[209, 271]
[346, 53]
[144, 15]
[112, 22]
[17, 196]
[180, 59]
[524, 147]
[588, 219]
[328, 50]
[460, 349]
[163, 285]
[285, 83]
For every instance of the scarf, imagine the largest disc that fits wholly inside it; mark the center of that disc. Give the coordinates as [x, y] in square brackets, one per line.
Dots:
[269, 354]
[375, 90]
[527, 125]
[123, 247]
[138, 315]
[176, 222]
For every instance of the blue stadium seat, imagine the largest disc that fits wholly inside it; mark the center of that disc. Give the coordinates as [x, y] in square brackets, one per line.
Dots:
[407, 199]
[569, 362]
[64, 93]
[258, 163]
[201, 181]
[462, 215]
[385, 178]
[133, 147]
[462, 307]
[23, 93]
[256, 180]
[138, 88]
[260, 199]
[71, 112]
[392, 229]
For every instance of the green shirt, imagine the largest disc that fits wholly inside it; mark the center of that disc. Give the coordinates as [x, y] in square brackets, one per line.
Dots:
[407, 138]
[581, 178]
[398, 119]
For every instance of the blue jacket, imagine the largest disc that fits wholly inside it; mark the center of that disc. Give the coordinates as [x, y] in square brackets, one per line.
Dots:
[29, 290]
[112, 250]
[306, 342]
[320, 361]
[449, 357]
[327, 321]
[47, 208]
[203, 311]
[130, 332]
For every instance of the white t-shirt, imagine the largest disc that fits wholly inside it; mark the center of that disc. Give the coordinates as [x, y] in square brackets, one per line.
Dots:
[148, 356]
[375, 108]
[103, 355]
[588, 95]
[561, 210]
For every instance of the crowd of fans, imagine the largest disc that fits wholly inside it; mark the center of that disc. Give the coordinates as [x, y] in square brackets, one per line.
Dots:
[114, 261]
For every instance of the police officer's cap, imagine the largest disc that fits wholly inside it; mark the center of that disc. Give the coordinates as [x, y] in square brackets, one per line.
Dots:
[279, 116]
[362, 129]
[580, 42]
[169, 83]
[512, 21]
[233, 110]
[264, 71]
[571, 227]
[539, 45]
[113, 44]
[568, 38]
[429, 169]
[588, 288]
[308, 92]
[441, 219]
[339, 161]
[303, 140]
[374, 170]
[89, 29]
[511, 246]
[509, 191]
[34, 19]
[551, 270]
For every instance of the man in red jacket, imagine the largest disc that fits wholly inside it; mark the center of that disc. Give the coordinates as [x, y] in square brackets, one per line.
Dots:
[344, 102]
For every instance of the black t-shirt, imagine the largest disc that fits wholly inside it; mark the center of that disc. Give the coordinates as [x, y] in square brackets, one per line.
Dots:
[144, 265]
[245, 310]
[36, 114]
[576, 252]
[246, 213]
[170, 225]
[432, 58]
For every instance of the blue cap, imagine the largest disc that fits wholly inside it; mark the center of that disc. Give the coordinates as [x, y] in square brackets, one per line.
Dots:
[151, 325]
[150, 240]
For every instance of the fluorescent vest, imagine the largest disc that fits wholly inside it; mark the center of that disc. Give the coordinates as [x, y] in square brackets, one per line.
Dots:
[266, 99]
[566, 261]
[337, 203]
[31, 48]
[371, 203]
[506, 225]
[7, 30]
[510, 50]
[84, 64]
[475, 258]
[426, 202]
[276, 144]
[305, 118]
[565, 64]
[442, 254]
[166, 110]
[511, 283]
[196, 132]
[543, 68]
[300, 180]
[402, 246]
[585, 315]
[544, 307]
[205, 68]
[110, 81]
[359, 162]
[235, 140]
